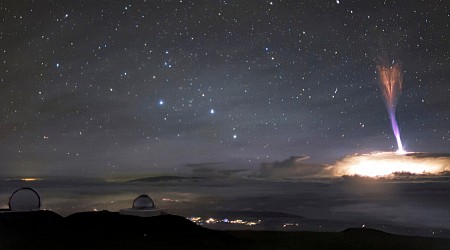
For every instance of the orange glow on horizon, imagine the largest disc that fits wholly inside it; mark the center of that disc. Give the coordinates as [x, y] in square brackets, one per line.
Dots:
[30, 179]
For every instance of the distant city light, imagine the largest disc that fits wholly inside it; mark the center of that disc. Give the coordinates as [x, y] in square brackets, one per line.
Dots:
[200, 221]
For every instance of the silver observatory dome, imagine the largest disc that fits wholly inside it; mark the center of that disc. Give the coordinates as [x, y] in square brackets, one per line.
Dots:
[143, 206]
[143, 201]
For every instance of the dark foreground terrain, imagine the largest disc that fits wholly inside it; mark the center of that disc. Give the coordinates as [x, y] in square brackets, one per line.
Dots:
[108, 230]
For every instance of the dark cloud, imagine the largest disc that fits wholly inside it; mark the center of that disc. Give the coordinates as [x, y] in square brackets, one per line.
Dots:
[216, 170]
[292, 168]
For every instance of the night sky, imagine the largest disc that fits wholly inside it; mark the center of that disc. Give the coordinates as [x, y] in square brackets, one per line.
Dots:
[118, 87]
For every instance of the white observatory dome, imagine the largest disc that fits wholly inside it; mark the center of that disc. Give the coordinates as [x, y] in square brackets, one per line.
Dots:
[143, 206]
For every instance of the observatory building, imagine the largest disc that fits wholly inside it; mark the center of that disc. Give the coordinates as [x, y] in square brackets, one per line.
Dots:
[24, 199]
[143, 206]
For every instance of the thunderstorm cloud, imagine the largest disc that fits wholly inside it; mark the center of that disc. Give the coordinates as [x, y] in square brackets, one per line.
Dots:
[387, 163]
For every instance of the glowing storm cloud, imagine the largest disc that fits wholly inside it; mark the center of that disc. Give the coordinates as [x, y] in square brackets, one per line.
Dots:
[391, 80]
[387, 163]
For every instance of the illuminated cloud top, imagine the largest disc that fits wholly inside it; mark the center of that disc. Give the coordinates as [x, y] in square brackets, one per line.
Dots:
[385, 164]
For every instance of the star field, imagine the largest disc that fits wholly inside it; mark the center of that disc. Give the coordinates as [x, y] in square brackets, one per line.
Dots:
[111, 87]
